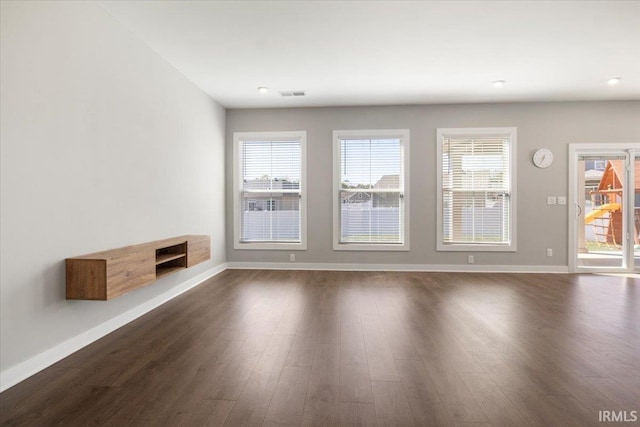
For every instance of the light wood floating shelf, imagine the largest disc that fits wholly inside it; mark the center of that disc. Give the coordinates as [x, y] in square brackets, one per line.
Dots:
[166, 271]
[160, 259]
[108, 274]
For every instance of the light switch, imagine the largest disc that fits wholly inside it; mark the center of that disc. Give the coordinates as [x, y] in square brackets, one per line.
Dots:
[562, 200]
[551, 200]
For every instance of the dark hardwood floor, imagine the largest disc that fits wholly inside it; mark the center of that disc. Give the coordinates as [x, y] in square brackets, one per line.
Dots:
[352, 348]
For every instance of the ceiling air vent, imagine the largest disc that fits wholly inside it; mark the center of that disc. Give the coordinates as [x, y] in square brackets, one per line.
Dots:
[292, 93]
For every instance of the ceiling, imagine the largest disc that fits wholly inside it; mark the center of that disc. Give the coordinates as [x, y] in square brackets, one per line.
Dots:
[394, 52]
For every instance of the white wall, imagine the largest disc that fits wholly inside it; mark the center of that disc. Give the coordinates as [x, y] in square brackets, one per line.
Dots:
[552, 125]
[103, 145]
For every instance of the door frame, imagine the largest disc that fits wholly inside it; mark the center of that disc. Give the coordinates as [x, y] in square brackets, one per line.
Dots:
[630, 150]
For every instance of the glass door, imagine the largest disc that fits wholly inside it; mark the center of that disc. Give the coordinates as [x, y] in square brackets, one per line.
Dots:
[605, 213]
[636, 211]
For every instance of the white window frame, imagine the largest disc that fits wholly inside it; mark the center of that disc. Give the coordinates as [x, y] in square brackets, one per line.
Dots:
[478, 132]
[238, 139]
[404, 136]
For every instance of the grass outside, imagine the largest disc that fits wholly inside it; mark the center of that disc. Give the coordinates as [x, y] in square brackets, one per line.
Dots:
[593, 246]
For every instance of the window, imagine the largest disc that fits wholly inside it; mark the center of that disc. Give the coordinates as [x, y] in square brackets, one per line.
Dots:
[269, 190]
[476, 182]
[371, 170]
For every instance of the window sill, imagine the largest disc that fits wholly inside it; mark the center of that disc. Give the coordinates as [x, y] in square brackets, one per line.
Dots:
[271, 246]
[371, 247]
[476, 248]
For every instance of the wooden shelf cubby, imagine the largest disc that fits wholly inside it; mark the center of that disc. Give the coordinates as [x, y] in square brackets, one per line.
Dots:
[108, 274]
[163, 258]
[170, 259]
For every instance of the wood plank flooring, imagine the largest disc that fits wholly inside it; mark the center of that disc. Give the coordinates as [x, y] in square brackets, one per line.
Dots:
[272, 348]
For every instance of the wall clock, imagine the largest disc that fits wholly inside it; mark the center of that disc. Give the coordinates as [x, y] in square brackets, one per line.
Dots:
[543, 158]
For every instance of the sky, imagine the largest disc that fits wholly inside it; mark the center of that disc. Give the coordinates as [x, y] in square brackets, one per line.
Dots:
[276, 159]
[361, 161]
[366, 161]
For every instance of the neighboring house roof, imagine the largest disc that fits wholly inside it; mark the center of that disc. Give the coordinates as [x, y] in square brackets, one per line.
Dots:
[388, 181]
[593, 175]
[359, 197]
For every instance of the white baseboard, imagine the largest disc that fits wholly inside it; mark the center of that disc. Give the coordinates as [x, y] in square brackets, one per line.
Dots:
[469, 268]
[24, 370]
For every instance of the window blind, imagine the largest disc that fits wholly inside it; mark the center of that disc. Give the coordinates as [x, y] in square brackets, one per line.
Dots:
[371, 191]
[270, 191]
[476, 190]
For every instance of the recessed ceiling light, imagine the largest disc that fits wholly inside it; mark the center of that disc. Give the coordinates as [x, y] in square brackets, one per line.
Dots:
[613, 81]
[498, 83]
[263, 89]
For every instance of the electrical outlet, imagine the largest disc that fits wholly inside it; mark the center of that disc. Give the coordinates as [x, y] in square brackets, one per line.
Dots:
[562, 200]
[549, 252]
[292, 257]
[470, 259]
[551, 200]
